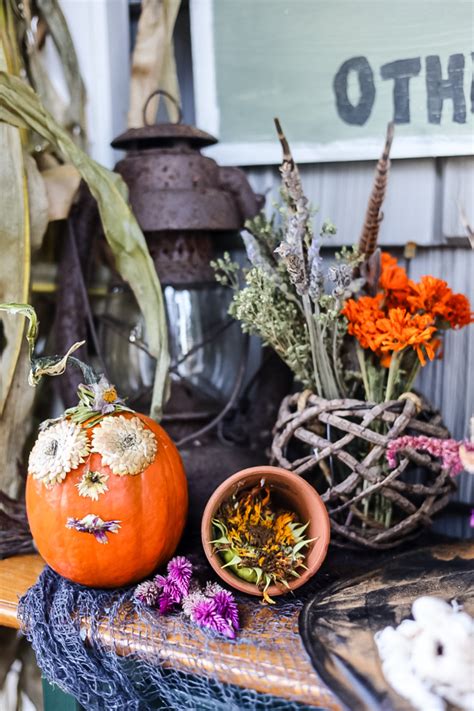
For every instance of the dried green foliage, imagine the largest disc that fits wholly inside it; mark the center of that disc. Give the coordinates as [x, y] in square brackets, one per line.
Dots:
[287, 298]
[20, 107]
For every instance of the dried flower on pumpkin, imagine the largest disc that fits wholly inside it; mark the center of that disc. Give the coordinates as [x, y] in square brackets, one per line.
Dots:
[126, 445]
[95, 525]
[95, 401]
[105, 396]
[258, 541]
[92, 484]
[58, 449]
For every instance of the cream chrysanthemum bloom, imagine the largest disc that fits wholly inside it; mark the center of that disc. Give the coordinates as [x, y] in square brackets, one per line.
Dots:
[93, 484]
[125, 444]
[57, 450]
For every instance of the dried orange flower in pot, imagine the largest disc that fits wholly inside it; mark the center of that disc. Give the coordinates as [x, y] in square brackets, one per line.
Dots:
[265, 531]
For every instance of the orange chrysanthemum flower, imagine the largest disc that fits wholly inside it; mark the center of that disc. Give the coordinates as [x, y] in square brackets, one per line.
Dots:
[433, 296]
[430, 295]
[393, 280]
[403, 330]
[459, 312]
[363, 316]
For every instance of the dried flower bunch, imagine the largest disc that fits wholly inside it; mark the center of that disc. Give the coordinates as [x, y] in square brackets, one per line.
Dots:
[362, 310]
[212, 608]
[258, 540]
[401, 327]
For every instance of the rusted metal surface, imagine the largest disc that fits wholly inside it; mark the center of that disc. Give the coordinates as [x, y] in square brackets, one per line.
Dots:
[173, 187]
[182, 258]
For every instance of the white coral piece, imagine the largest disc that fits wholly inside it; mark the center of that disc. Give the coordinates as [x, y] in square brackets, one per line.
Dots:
[125, 444]
[431, 659]
[58, 449]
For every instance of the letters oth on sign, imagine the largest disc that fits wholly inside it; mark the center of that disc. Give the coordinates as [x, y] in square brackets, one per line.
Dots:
[438, 88]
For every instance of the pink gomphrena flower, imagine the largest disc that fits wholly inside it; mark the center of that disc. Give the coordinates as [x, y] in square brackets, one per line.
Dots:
[180, 570]
[147, 593]
[445, 449]
[472, 518]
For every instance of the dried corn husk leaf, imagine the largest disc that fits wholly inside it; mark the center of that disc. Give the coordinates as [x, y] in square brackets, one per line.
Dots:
[16, 424]
[14, 235]
[71, 115]
[37, 201]
[20, 106]
[153, 61]
[61, 183]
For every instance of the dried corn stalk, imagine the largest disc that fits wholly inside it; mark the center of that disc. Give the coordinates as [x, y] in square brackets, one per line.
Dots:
[153, 62]
[20, 107]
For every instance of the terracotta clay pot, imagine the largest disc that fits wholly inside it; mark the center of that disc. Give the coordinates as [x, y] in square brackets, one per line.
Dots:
[294, 492]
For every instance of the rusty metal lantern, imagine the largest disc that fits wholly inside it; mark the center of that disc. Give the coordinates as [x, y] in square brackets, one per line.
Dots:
[185, 204]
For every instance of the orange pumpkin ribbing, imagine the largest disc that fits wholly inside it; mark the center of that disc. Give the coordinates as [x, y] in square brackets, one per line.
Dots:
[150, 506]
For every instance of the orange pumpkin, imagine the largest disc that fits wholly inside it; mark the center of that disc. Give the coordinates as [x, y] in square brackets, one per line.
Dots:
[106, 522]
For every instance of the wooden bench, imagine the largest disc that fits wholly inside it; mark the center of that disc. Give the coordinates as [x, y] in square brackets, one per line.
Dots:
[271, 662]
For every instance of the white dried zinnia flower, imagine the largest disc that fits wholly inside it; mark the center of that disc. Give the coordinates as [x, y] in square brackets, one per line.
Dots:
[92, 484]
[57, 450]
[125, 444]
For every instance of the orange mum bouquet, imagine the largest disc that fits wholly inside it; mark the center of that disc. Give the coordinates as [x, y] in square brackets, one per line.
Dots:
[401, 328]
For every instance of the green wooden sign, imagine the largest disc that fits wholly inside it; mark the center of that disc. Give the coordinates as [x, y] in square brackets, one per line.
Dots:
[334, 72]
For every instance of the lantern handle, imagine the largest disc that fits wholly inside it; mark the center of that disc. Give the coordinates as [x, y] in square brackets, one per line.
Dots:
[162, 92]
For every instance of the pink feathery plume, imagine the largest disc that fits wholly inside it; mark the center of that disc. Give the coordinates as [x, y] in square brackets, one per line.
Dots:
[204, 613]
[147, 593]
[180, 570]
[227, 607]
[445, 449]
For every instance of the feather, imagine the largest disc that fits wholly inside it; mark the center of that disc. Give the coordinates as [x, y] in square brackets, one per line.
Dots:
[374, 216]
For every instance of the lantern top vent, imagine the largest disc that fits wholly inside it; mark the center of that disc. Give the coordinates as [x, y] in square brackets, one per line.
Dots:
[163, 135]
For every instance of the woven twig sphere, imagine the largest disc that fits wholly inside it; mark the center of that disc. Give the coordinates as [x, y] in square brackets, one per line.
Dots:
[340, 446]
